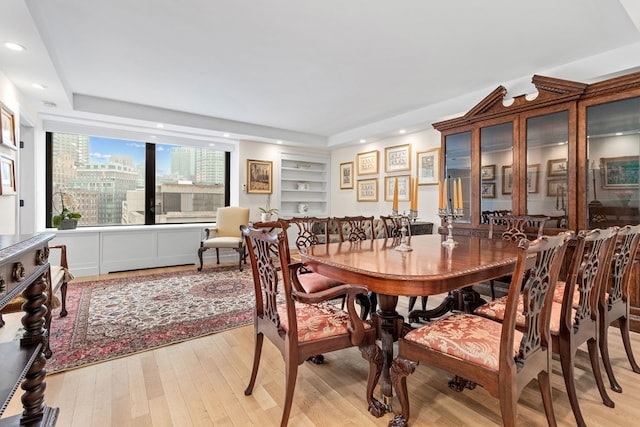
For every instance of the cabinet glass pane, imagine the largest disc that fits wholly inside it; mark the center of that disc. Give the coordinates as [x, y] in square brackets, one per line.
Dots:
[613, 147]
[547, 175]
[496, 177]
[458, 165]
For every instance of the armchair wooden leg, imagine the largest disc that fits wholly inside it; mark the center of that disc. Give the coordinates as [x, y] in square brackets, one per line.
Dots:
[63, 297]
[400, 369]
[373, 354]
[200, 251]
[256, 364]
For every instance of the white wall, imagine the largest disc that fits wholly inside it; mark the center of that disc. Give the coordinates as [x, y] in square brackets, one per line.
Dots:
[344, 202]
[9, 202]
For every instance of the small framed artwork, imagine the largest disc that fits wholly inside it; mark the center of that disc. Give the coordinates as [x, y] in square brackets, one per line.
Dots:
[533, 176]
[557, 167]
[397, 158]
[367, 162]
[7, 175]
[368, 190]
[507, 179]
[556, 187]
[403, 187]
[428, 167]
[488, 172]
[488, 190]
[620, 172]
[7, 123]
[259, 177]
[346, 175]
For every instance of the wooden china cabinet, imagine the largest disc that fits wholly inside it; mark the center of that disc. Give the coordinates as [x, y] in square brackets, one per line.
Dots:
[569, 152]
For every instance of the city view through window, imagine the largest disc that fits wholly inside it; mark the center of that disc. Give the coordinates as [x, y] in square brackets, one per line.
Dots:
[103, 179]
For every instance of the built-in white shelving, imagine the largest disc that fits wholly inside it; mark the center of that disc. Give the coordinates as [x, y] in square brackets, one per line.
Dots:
[304, 185]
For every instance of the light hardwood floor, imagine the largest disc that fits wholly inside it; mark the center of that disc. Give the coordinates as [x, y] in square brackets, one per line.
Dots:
[201, 383]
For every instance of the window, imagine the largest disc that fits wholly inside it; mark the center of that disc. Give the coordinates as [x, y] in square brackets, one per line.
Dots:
[123, 182]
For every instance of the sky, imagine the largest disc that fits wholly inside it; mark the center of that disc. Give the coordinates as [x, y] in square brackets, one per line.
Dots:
[101, 150]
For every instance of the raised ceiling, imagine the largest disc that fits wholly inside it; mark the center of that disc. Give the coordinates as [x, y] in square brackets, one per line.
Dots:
[327, 73]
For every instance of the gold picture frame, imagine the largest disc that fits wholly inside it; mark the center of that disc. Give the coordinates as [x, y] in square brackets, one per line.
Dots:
[367, 162]
[7, 175]
[404, 182]
[368, 190]
[488, 173]
[346, 175]
[507, 179]
[428, 167]
[259, 177]
[557, 167]
[533, 178]
[7, 126]
[488, 190]
[397, 158]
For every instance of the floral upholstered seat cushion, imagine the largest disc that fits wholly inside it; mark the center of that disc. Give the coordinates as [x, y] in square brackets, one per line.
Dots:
[495, 310]
[314, 282]
[558, 294]
[317, 321]
[472, 338]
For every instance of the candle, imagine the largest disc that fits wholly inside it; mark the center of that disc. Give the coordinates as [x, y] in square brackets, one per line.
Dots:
[455, 193]
[445, 202]
[459, 194]
[395, 195]
[414, 194]
[440, 195]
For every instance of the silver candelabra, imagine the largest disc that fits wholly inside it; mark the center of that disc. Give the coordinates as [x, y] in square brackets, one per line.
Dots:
[449, 214]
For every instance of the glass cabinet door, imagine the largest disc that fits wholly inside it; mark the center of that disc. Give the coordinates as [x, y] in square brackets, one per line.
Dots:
[547, 172]
[496, 170]
[458, 165]
[613, 149]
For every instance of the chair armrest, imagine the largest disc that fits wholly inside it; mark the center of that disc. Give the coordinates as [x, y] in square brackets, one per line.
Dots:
[209, 231]
[63, 255]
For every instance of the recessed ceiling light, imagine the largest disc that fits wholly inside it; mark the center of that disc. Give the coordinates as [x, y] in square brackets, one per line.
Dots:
[278, 142]
[153, 137]
[362, 141]
[159, 125]
[38, 86]
[211, 144]
[49, 104]
[15, 46]
[403, 131]
[226, 135]
[618, 133]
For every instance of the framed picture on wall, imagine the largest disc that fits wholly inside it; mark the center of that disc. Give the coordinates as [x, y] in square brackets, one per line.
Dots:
[368, 190]
[259, 177]
[367, 162]
[488, 190]
[8, 126]
[488, 172]
[397, 158]
[533, 176]
[556, 187]
[428, 166]
[346, 175]
[557, 167]
[507, 179]
[620, 172]
[403, 187]
[7, 175]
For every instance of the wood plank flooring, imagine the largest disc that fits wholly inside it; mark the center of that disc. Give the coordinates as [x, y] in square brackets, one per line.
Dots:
[201, 383]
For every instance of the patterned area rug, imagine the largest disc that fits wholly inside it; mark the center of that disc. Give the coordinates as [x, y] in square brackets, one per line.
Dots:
[118, 317]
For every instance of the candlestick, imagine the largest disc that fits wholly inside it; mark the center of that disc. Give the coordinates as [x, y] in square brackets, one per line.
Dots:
[459, 193]
[414, 195]
[445, 201]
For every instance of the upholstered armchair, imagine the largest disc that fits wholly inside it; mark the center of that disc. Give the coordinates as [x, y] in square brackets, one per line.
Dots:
[226, 234]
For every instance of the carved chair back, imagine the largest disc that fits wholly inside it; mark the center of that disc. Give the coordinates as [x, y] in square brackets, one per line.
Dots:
[393, 226]
[355, 228]
[514, 227]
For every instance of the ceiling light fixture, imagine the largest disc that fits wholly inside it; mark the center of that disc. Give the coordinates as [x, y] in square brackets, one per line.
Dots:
[618, 133]
[278, 142]
[159, 125]
[362, 141]
[402, 131]
[14, 46]
[38, 86]
[226, 135]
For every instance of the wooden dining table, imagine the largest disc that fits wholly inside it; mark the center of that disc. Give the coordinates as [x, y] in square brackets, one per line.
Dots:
[428, 268]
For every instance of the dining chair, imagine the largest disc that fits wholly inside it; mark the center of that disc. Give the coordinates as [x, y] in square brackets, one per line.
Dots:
[495, 355]
[355, 229]
[614, 303]
[226, 233]
[573, 325]
[392, 229]
[298, 323]
[513, 228]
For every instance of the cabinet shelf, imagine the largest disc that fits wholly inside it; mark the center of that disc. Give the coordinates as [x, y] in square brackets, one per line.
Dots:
[314, 179]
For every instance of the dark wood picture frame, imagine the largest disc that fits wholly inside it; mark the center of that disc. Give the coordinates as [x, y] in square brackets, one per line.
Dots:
[557, 167]
[488, 190]
[507, 179]
[259, 177]
[533, 178]
[620, 172]
[488, 173]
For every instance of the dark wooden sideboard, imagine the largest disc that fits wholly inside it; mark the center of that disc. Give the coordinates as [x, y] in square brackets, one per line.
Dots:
[24, 268]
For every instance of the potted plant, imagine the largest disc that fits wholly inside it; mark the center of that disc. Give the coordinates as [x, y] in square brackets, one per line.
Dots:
[65, 219]
[266, 212]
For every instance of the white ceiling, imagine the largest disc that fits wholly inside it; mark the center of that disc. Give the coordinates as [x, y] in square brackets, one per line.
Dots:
[320, 73]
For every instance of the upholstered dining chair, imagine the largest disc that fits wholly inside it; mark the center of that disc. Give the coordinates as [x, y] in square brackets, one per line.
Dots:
[514, 228]
[354, 229]
[392, 230]
[614, 304]
[226, 233]
[573, 325]
[495, 355]
[298, 323]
